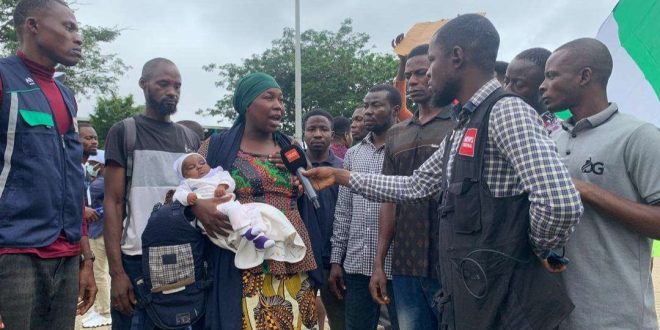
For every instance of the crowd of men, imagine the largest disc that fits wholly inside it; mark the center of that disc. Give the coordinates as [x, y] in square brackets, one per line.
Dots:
[475, 209]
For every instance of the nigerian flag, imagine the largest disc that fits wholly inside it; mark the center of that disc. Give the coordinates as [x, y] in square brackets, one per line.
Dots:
[631, 33]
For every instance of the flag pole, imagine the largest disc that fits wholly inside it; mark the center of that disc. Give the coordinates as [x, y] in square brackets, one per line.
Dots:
[298, 84]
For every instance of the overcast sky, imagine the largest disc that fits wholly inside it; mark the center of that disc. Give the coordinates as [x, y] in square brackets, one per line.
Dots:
[197, 32]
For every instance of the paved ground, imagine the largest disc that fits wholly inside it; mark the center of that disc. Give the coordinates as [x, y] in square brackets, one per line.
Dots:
[656, 285]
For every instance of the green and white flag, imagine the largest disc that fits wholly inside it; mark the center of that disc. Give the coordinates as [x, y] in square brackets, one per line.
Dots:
[632, 34]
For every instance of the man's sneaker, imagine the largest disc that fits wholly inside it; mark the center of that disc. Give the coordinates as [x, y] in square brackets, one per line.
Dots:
[91, 313]
[96, 320]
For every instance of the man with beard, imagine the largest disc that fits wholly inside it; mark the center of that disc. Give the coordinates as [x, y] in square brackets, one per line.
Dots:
[613, 159]
[413, 227]
[358, 132]
[523, 77]
[355, 230]
[46, 264]
[158, 143]
[507, 202]
[90, 143]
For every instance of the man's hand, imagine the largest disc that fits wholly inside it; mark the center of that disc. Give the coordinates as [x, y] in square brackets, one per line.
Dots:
[336, 281]
[395, 42]
[2, 325]
[90, 214]
[325, 176]
[121, 294]
[207, 213]
[378, 285]
[86, 287]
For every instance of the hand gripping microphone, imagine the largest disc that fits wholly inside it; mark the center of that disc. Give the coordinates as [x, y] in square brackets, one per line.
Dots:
[295, 161]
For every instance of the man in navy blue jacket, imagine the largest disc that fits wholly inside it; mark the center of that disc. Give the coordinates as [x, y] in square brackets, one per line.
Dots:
[45, 259]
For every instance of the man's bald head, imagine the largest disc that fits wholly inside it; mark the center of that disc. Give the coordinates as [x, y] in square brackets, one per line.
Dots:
[589, 53]
[151, 65]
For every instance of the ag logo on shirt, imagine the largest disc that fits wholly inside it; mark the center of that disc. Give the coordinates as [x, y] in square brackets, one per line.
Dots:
[590, 167]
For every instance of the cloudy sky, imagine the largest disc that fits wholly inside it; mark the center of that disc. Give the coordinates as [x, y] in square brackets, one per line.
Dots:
[193, 33]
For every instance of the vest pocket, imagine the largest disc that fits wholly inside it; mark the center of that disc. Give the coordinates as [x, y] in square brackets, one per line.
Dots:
[467, 206]
[37, 118]
[35, 136]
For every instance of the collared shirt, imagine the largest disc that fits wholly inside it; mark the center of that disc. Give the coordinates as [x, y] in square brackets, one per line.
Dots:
[328, 200]
[409, 145]
[620, 154]
[519, 157]
[355, 231]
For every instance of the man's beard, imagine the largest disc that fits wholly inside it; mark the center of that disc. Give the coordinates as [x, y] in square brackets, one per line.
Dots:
[90, 153]
[163, 108]
[446, 95]
[380, 129]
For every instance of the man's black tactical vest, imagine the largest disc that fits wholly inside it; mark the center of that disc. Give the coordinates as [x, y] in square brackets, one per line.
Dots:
[491, 278]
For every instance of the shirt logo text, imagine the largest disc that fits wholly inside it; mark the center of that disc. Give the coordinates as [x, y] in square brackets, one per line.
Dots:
[590, 167]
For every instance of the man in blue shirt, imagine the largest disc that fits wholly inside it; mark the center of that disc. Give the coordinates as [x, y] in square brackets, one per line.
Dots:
[318, 130]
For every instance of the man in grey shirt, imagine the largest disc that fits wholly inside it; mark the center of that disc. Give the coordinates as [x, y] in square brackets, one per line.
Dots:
[611, 157]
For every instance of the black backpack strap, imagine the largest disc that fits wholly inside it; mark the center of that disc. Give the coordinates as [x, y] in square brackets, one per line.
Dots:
[130, 136]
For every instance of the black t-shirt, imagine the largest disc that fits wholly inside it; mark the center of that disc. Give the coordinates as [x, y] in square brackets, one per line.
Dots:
[151, 134]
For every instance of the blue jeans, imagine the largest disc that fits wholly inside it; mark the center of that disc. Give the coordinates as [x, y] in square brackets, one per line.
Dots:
[415, 308]
[362, 312]
[38, 293]
[139, 320]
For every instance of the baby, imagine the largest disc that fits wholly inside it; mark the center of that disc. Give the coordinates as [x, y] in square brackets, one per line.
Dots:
[198, 180]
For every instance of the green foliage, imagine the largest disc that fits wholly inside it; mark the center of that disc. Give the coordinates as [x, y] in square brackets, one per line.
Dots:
[109, 111]
[337, 71]
[96, 74]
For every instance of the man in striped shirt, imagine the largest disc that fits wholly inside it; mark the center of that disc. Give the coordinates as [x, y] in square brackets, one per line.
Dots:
[355, 230]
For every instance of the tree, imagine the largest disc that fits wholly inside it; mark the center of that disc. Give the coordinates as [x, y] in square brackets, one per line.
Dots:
[111, 110]
[97, 73]
[337, 71]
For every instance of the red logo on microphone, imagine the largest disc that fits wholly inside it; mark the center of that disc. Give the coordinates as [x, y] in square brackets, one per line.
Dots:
[292, 155]
[468, 143]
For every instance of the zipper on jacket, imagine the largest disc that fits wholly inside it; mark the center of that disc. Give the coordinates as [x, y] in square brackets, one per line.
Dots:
[63, 169]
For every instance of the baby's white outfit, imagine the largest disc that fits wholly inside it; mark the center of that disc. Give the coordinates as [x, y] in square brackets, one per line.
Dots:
[288, 244]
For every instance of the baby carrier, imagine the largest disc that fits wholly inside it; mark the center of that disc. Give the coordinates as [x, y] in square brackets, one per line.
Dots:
[174, 287]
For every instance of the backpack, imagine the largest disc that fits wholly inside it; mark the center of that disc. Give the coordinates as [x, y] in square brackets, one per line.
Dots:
[175, 282]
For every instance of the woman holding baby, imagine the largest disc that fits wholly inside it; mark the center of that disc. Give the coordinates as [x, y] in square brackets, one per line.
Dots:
[274, 295]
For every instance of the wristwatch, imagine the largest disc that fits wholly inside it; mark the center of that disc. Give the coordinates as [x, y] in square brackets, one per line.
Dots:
[87, 256]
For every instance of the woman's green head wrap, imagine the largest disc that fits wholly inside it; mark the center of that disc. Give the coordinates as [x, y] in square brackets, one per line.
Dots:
[248, 88]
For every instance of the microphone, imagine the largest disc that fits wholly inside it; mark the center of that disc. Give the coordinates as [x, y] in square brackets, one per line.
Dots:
[295, 161]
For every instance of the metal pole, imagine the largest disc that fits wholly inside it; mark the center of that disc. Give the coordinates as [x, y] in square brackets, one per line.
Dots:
[298, 134]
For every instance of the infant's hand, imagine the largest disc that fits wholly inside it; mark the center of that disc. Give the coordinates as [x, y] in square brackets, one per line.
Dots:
[192, 198]
[221, 190]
